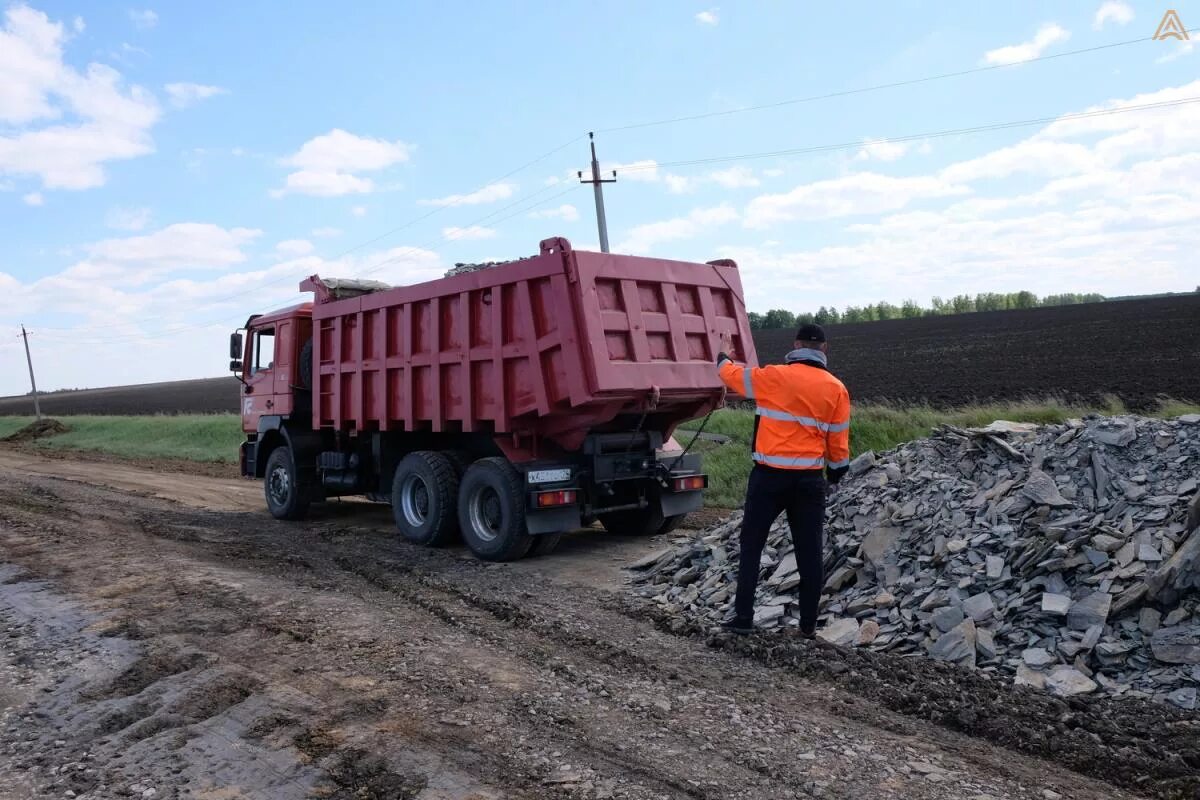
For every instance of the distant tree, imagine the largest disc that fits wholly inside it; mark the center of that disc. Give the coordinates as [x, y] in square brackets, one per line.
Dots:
[826, 316]
[756, 321]
[962, 304]
[779, 318]
[910, 310]
[805, 318]
[1025, 300]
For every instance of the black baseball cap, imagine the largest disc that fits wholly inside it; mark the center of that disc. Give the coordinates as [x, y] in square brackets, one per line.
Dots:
[811, 332]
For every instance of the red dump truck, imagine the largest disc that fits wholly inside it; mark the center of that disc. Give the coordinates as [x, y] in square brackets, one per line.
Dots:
[508, 404]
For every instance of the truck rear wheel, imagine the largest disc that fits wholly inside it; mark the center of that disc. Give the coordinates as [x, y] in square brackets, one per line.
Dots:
[424, 491]
[288, 492]
[491, 511]
[634, 522]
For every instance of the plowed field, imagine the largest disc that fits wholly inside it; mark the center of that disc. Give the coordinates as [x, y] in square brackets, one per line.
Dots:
[1138, 350]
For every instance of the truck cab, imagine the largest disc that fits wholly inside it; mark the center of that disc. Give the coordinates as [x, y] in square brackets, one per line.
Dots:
[275, 370]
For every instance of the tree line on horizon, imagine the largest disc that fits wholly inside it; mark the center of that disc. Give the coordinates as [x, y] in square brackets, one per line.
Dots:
[910, 309]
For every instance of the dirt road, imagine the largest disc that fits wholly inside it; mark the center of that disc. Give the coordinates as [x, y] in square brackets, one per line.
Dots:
[163, 637]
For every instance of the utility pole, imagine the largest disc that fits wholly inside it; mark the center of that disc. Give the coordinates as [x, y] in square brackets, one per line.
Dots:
[596, 182]
[37, 407]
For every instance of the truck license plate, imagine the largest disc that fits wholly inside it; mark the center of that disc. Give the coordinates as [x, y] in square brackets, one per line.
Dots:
[549, 475]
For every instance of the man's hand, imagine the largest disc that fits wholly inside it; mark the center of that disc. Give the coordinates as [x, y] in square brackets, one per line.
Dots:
[727, 344]
[830, 490]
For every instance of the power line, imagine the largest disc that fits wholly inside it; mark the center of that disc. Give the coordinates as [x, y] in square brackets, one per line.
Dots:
[997, 126]
[876, 88]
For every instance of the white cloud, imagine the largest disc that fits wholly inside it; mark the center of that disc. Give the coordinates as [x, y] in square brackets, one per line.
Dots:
[643, 238]
[566, 212]
[127, 219]
[1179, 50]
[34, 199]
[192, 245]
[359, 211]
[327, 163]
[326, 233]
[294, 247]
[143, 19]
[175, 323]
[58, 124]
[855, 194]
[79, 25]
[1047, 35]
[553, 180]
[1113, 11]
[488, 194]
[734, 178]
[881, 150]
[184, 95]
[708, 17]
[772, 173]
[679, 184]
[472, 233]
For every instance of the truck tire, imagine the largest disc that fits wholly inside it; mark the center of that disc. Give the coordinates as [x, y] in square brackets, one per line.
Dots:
[491, 511]
[634, 522]
[671, 523]
[288, 492]
[306, 364]
[424, 491]
[544, 544]
[461, 459]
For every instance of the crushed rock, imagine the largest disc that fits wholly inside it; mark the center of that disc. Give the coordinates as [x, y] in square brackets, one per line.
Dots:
[1063, 557]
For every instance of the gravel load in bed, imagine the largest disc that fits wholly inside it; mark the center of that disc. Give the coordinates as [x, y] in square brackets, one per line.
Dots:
[1064, 557]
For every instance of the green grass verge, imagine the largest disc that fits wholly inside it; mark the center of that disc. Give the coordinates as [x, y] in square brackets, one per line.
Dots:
[194, 437]
[882, 427]
[13, 424]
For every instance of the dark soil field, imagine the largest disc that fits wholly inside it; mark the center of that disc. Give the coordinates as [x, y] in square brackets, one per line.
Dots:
[1139, 350]
[204, 396]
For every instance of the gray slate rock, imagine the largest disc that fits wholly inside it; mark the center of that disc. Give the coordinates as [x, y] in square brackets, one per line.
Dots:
[956, 645]
[1177, 645]
[1090, 611]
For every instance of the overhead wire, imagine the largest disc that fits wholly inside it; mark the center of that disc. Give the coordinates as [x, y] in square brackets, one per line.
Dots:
[874, 88]
[859, 143]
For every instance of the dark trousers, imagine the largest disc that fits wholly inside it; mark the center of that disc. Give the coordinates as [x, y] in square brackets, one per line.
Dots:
[801, 493]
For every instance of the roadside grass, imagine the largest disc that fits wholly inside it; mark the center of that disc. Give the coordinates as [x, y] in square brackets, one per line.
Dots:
[193, 437]
[882, 427]
[13, 424]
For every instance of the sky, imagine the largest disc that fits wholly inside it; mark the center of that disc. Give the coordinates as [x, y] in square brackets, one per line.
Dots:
[167, 170]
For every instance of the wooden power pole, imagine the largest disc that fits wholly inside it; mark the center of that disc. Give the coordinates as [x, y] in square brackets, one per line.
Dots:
[37, 407]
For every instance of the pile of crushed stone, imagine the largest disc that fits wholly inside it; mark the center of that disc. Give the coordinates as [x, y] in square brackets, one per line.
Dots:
[1063, 557]
[36, 430]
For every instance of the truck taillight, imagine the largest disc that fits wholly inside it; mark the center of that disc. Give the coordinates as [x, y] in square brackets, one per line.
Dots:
[690, 483]
[562, 497]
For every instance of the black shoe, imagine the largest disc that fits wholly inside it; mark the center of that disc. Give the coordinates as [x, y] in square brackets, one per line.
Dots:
[742, 626]
[808, 633]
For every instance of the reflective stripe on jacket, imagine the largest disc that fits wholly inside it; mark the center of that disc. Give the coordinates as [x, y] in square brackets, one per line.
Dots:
[803, 414]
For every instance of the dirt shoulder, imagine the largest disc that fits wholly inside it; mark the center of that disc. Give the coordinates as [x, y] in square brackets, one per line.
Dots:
[196, 649]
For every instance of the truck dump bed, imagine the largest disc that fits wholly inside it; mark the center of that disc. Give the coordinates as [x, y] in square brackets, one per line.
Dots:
[551, 347]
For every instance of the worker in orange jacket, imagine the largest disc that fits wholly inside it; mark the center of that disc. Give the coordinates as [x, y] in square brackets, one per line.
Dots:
[801, 449]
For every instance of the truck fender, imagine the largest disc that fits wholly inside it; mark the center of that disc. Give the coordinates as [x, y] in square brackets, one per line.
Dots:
[273, 431]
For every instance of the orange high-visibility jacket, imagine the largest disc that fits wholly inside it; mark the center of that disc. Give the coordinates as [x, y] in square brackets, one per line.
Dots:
[803, 413]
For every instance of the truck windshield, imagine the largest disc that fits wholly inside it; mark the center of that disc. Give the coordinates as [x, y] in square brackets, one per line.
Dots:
[264, 349]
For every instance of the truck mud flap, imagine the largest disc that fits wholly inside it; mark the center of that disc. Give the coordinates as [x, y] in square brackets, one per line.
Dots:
[553, 520]
[676, 503]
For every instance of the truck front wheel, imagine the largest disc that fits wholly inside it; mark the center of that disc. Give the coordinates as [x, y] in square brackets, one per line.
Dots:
[424, 490]
[288, 494]
[491, 511]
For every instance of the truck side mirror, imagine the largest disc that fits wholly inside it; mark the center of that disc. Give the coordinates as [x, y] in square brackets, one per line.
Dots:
[235, 366]
[235, 346]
